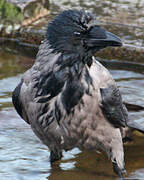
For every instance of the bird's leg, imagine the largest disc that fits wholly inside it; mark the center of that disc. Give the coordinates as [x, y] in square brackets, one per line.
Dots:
[55, 155]
[118, 171]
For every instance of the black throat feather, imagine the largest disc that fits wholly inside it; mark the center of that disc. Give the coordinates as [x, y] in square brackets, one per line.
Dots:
[59, 68]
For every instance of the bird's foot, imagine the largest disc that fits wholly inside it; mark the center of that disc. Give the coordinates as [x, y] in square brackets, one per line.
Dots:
[118, 171]
[55, 155]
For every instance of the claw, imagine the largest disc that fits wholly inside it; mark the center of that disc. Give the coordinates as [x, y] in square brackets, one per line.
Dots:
[118, 171]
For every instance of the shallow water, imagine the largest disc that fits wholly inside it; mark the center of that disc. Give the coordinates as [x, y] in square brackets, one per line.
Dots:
[24, 157]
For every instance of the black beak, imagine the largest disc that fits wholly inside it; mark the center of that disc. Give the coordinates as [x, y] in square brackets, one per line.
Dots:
[112, 39]
[100, 38]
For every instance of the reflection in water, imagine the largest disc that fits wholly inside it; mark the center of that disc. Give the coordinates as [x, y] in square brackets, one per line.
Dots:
[140, 172]
[24, 157]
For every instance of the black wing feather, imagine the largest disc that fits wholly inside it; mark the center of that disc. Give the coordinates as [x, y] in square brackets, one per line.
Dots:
[113, 107]
[15, 99]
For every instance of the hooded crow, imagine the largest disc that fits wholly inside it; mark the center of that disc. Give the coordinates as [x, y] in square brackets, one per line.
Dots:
[69, 98]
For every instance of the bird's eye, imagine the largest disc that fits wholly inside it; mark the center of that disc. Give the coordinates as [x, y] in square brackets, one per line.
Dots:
[77, 33]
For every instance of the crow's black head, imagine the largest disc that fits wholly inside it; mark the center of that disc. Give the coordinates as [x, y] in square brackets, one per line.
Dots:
[74, 31]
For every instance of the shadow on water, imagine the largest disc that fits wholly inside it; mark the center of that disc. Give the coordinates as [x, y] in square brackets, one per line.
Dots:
[24, 157]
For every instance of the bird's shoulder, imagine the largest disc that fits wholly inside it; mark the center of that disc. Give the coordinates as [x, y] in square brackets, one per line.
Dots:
[110, 97]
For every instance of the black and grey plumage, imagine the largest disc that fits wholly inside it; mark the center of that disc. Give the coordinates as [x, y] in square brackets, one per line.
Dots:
[70, 99]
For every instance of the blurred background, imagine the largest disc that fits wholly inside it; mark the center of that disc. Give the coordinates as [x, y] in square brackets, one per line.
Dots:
[22, 28]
